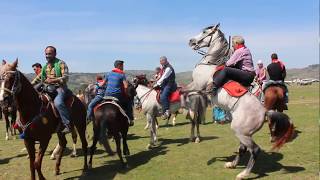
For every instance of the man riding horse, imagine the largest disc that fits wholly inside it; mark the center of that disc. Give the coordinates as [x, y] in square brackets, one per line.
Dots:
[117, 86]
[277, 74]
[238, 68]
[167, 85]
[55, 73]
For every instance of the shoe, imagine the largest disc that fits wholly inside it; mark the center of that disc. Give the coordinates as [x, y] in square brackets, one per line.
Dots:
[166, 115]
[66, 129]
[212, 89]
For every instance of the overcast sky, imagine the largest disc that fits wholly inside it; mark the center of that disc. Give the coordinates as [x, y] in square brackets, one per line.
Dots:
[90, 35]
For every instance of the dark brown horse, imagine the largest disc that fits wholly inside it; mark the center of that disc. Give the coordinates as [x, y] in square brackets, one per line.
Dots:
[38, 119]
[108, 116]
[8, 109]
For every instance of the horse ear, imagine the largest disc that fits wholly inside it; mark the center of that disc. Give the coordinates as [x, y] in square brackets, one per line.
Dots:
[15, 63]
[4, 62]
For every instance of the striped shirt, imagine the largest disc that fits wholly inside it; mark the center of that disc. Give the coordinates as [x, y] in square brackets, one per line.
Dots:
[114, 83]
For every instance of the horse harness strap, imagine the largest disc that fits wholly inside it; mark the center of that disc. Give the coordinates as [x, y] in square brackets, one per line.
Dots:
[116, 104]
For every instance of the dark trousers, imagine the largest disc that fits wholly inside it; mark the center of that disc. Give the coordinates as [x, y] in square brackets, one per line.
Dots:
[243, 77]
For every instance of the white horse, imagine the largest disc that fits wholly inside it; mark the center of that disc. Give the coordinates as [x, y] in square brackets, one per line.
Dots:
[151, 108]
[248, 114]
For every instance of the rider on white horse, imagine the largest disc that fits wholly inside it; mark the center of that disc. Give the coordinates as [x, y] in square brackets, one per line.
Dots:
[167, 85]
[238, 68]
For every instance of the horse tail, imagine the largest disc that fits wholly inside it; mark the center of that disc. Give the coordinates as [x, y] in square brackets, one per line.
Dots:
[282, 128]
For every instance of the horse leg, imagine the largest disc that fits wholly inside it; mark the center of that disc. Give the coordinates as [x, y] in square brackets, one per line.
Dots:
[96, 134]
[234, 163]
[62, 144]
[38, 162]
[13, 121]
[124, 133]
[5, 116]
[31, 151]
[74, 140]
[84, 143]
[55, 152]
[174, 119]
[197, 121]
[192, 130]
[153, 129]
[254, 150]
[118, 144]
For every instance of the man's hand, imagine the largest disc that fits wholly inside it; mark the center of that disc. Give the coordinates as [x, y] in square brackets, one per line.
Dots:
[49, 81]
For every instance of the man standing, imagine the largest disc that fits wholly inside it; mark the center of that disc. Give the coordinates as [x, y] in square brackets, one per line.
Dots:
[167, 85]
[55, 73]
[261, 73]
[117, 86]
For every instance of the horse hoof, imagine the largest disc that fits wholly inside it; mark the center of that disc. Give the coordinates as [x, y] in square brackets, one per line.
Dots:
[57, 173]
[242, 175]
[89, 166]
[197, 140]
[52, 157]
[229, 165]
[72, 155]
[7, 138]
[157, 126]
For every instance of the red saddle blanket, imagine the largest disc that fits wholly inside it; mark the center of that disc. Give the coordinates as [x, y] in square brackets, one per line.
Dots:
[234, 89]
[174, 96]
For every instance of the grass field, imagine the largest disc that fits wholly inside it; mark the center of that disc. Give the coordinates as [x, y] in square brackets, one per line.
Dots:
[177, 158]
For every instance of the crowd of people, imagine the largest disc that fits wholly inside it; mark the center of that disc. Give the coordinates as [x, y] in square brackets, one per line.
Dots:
[239, 68]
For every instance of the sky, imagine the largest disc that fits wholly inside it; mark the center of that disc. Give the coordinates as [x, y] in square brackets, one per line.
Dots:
[91, 35]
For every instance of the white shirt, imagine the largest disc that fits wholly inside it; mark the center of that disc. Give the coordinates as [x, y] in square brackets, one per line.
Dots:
[166, 74]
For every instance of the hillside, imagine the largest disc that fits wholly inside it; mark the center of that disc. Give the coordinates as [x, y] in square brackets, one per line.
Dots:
[80, 80]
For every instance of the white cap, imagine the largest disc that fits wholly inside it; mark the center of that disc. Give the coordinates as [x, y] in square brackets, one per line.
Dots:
[260, 62]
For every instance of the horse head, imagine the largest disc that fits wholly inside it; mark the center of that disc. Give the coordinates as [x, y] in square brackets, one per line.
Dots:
[10, 79]
[205, 38]
[140, 80]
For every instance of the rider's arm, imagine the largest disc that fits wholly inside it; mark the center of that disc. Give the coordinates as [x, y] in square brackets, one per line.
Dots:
[64, 75]
[165, 75]
[235, 57]
[284, 73]
[36, 80]
[264, 74]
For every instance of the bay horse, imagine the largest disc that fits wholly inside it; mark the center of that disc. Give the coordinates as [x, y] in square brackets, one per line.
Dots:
[274, 98]
[247, 112]
[109, 116]
[37, 119]
[82, 97]
[8, 109]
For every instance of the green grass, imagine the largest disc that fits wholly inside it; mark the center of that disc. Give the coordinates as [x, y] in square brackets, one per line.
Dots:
[177, 158]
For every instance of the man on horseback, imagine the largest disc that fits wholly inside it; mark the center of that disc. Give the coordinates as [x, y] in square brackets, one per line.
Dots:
[167, 85]
[277, 74]
[100, 91]
[55, 73]
[238, 68]
[117, 86]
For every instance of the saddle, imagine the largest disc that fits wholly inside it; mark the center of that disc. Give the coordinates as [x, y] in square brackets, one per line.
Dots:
[173, 97]
[112, 100]
[235, 89]
[49, 93]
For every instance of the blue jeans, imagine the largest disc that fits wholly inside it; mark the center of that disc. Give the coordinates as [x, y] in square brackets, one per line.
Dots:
[63, 93]
[164, 96]
[92, 104]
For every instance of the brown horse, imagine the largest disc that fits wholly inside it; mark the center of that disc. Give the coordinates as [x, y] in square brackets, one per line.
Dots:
[274, 98]
[38, 120]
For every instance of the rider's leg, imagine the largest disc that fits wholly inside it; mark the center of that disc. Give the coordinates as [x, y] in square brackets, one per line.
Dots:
[219, 78]
[243, 77]
[164, 99]
[92, 104]
[62, 108]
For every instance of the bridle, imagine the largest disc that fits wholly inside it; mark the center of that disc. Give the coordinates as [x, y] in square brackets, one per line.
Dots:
[16, 87]
[208, 34]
